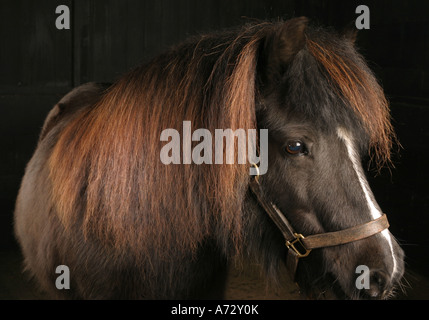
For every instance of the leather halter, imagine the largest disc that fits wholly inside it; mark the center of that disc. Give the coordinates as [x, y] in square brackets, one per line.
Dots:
[300, 246]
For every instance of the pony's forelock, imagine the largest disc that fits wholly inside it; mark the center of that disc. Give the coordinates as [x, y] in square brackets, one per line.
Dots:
[359, 89]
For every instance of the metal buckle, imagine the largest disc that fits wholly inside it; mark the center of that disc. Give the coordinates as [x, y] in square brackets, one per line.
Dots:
[291, 245]
[257, 171]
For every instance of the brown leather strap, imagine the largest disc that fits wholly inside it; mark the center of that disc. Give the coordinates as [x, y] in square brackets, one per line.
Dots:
[281, 222]
[355, 233]
[275, 214]
[292, 260]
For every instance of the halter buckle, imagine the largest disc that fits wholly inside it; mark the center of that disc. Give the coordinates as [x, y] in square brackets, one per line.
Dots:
[291, 246]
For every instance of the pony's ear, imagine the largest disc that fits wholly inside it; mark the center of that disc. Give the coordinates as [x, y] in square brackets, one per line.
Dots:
[281, 47]
[350, 32]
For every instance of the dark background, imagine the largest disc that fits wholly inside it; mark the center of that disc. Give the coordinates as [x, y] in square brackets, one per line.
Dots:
[38, 64]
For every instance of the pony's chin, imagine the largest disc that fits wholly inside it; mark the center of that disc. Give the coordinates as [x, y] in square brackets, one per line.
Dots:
[328, 288]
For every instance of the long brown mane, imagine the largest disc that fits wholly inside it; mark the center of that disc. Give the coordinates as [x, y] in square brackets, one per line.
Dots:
[105, 168]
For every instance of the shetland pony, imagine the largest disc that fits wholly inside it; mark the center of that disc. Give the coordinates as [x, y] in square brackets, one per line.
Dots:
[96, 197]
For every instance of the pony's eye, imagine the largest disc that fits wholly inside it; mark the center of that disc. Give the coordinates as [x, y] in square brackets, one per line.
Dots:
[296, 147]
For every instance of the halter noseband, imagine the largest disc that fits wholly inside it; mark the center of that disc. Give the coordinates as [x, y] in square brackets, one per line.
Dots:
[300, 246]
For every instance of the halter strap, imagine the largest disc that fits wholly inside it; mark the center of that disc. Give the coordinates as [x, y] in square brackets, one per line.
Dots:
[300, 246]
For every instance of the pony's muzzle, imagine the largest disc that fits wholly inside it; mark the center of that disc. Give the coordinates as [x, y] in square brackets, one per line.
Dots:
[383, 276]
[379, 285]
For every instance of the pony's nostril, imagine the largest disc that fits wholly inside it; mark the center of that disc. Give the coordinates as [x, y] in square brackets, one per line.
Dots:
[378, 286]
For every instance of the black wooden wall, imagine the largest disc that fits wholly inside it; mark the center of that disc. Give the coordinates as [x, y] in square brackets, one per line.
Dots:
[39, 63]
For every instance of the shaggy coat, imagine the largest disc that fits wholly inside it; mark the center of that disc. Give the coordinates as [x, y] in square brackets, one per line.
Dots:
[97, 198]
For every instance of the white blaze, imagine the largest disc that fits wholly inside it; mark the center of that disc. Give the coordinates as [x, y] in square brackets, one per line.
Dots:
[374, 211]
